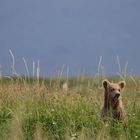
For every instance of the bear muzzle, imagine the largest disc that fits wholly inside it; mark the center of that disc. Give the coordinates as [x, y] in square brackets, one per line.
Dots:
[116, 96]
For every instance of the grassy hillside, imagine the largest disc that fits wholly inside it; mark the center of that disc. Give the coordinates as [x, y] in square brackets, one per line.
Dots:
[41, 110]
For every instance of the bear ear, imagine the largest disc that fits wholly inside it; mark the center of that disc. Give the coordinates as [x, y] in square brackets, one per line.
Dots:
[105, 84]
[122, 84]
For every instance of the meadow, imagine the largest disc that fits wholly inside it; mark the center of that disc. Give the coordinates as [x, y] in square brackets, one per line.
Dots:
[39, 109]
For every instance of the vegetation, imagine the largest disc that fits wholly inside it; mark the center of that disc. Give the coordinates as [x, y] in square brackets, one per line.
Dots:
[40, 109]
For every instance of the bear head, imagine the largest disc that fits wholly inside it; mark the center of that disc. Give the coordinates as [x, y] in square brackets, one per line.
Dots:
[113, 91]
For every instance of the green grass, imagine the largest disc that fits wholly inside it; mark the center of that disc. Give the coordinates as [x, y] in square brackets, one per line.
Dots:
[39, 109]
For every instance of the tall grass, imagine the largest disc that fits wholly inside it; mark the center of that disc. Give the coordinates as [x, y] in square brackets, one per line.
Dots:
[32, 109]
[64, 108]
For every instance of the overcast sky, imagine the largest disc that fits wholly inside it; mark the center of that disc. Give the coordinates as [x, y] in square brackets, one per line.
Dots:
[73, 33]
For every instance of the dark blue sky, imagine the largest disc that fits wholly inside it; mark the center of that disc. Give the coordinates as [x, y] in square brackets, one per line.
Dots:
[71, 32]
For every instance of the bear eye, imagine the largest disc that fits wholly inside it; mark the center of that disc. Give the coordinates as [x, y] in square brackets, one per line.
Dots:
[112, 89]
[119, 90]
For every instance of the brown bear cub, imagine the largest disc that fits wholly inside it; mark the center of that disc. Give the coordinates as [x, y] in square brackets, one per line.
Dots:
[112, 105]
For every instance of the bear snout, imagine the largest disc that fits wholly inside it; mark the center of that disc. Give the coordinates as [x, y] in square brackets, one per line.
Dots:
[117, 95]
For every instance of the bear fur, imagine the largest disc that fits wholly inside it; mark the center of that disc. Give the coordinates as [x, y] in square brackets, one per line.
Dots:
[112, 105]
